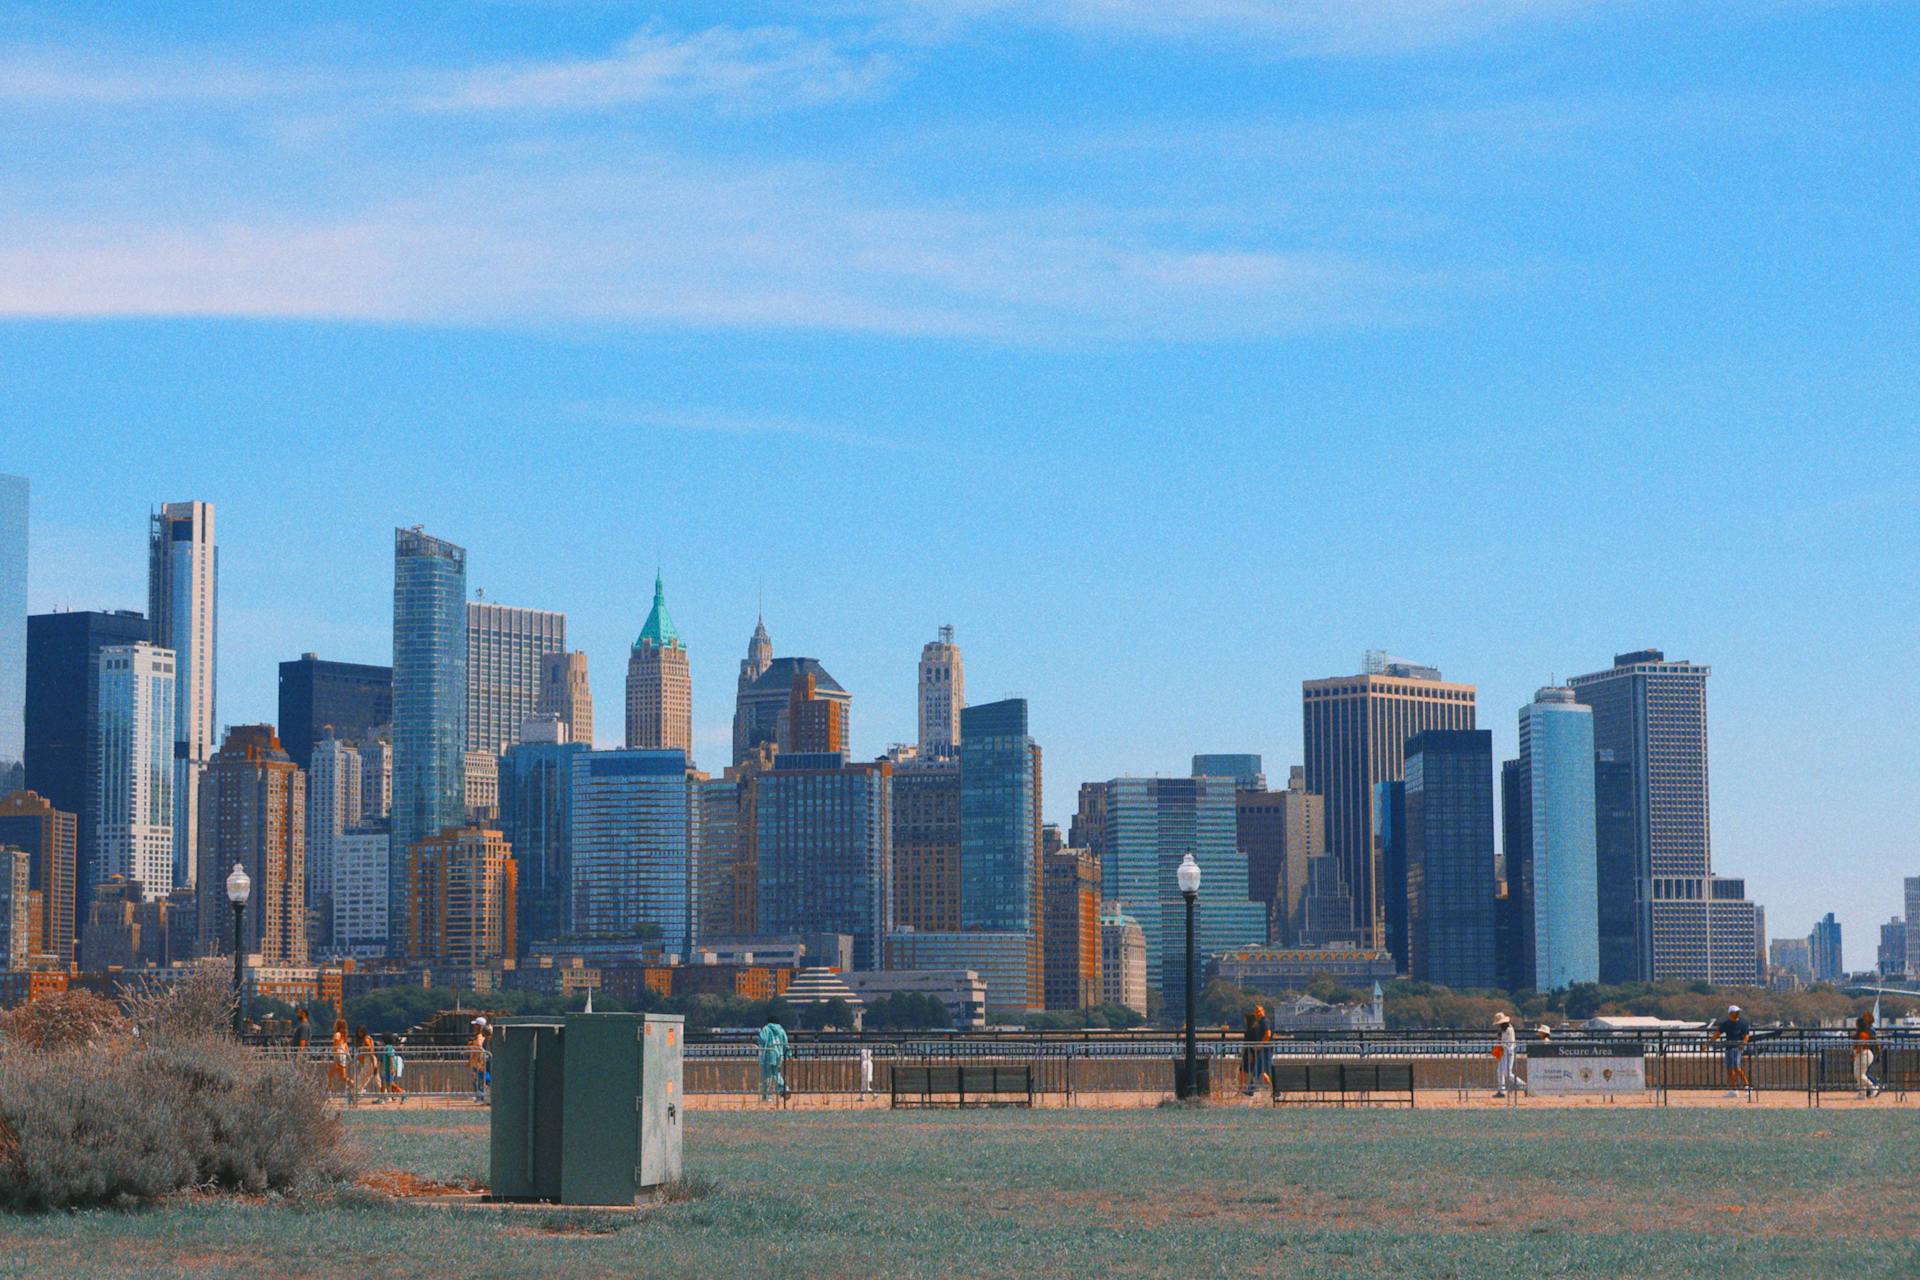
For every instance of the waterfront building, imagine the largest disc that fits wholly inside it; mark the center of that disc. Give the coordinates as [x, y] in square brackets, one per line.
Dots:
[630, 835]
[1356, 730]
[460, 891]
[1001, 959]
[1448, 791]
[359, 893]
[926, 842]
[962, 991]
[566, 693]
[1071, 932]
[1556, 850]
[183, 578]
[49, 838]
[659, 685]
[1000, 848]
[254, 798]
[352, 701]
[133, 775]
[1123, 959]
[429, 704]
[1297, 968]
[824, 851]
[943, 693]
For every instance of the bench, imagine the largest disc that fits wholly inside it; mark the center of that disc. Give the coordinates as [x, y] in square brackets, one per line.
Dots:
[1365, 1084]
[965, 1086]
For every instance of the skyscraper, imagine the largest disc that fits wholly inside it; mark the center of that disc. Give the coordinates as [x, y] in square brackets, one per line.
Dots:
[254, 798]
[133, 774]
[926, 843]
[943, 692]
[631, 841]
[762, 710]
[564, 692]
[1242, 767]
[460, 893]
[824, 850]
[13, 630]
[1829, 964]
[1280, 832]
[1151, 824]
[183, 579]
[359, 893]
[334, 806]
[722, 891]
[507, 650]
[1356, 730]
[1652, 714]
[29, 822]
[813, 722]
[1449, 851]
[1000, 850]
[63, 693]
[752, 667]
[1557, 865]
[536, 806]
[1071, 898]
[659, 685]
[1616, 867]
[1912, 887]
[429, 703]
[353, 700]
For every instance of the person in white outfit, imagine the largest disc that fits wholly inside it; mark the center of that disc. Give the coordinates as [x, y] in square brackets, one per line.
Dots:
[1503, 1058]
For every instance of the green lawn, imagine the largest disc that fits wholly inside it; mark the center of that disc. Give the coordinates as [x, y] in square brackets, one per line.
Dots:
[1476, 1194]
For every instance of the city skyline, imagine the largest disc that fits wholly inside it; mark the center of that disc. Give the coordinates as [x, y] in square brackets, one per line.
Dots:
[1173, 362]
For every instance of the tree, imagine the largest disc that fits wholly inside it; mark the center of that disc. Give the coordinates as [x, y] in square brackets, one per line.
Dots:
[908, 1011]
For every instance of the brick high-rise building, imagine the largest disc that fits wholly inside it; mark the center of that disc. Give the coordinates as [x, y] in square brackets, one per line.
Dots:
[253, 801]
[814, 723]
[1356, 730]
[1281, 832]
[1071, 895]
[460, 893]
[29, 822]
[566, 693]
[752, 667]
[762, 714]
[659, 685]
[926, 843]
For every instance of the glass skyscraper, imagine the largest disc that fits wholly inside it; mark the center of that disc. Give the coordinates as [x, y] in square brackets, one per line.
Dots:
[536, 803]
[1000, 849]
[824, 844]
[13, 626]
[183, 585]
[1556, 768]
[1449, 857]
[630, 837]
[133, 774]
[429, 703]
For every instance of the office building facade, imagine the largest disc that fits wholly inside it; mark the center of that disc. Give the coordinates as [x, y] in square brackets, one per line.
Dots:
[507, 651]
[752, 667]
[1449, 852]
[352, 701]
[762, 713]
[1280, 832]
[460, 893]
[926, 843]
[1123, 959]
[334, 804]
[565, 692]
[824, 851]
[50, 838]
[1000, 846]
[1071, 933]
[632, 853]
[1616, 868]
[429, 704]
[358, 896]
[133, 774]
[1560, 876]
[659, 684]
[1823, 945]
[1244, 769]
[942, 694]
[254, 798]
[536, 808]
[183, 583]
[1356, 730]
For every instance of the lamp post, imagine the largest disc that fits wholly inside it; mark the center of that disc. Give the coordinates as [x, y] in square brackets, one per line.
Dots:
[1189, 878]
[238, 887]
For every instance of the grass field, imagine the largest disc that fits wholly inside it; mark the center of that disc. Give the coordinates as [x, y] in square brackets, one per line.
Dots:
[1160, 1193]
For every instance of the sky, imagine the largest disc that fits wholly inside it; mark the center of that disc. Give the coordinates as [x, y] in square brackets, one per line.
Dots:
[1173, 351]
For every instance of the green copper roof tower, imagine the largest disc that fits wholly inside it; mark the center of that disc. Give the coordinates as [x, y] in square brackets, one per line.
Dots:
[659, 630]
[659, 686]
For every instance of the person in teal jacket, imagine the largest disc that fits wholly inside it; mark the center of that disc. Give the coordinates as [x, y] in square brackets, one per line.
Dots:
[773, 1057]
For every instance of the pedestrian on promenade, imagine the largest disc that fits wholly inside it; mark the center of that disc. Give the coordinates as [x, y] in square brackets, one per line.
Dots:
[1863, 1056]
[1504, 1076]
[774, 1052]
[366, 1064]
[1256, 1059]
[866, 1071]
[390, 1067]
[302, 1034]
[1737, 1031]
[478, 1060]
[340, 1063]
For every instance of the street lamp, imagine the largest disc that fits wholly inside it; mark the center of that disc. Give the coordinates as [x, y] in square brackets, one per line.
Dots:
[238, 887]
[1188, 877]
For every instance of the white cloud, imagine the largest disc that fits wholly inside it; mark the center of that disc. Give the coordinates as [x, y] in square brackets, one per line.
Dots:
[748, 68]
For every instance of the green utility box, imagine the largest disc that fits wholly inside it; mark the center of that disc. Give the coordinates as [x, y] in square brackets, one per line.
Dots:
[586, 1108]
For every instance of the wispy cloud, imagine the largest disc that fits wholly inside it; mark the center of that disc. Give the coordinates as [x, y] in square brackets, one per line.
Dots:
[705, 422]
[745, 68]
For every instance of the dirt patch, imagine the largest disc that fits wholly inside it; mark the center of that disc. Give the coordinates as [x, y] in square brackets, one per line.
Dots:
[402, 1185]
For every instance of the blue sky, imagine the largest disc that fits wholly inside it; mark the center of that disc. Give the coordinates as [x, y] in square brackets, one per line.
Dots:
[1175, 351]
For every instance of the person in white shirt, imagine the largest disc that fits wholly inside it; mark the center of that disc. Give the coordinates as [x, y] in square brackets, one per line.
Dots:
[1503, 1058]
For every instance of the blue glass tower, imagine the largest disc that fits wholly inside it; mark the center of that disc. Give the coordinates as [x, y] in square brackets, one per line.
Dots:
[1449, 857]
[429, 703]
[1000, 863]
[631, 861]
[536, 801]
[1557, 769]
[824, 844]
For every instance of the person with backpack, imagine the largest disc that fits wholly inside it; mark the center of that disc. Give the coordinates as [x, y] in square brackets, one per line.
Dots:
[1863, 1042]
[774, 1052]
[391, 1066]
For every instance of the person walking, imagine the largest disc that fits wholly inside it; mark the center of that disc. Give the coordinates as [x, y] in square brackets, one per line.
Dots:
[366, 1065]
[1863, 1042]
[390, 1067]
[340, 1065]
[479, 1060]
[774, 1051]
[1737, 1032]
[1255, 1059]
[1504, 1076]
[302, 1034]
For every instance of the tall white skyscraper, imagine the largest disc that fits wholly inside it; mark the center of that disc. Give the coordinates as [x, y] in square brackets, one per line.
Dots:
[133, 770]
[506, 656]
[182, 590]
[1560, 866]
[943, 692]
[359, 893]
[13, 624]
[334, 778]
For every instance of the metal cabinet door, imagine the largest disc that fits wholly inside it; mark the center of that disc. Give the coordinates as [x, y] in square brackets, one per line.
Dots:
[601, 1162]
[663, 1100]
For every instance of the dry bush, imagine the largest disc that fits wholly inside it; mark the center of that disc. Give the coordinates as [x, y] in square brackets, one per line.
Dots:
[65, 1020]
[195, 1005]
[174, 1107]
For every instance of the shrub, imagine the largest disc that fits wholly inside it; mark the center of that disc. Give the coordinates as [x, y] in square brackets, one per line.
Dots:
[169, 1106]
[64, 1020]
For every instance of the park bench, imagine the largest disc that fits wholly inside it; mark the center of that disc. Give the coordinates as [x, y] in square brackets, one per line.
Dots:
[1364, 1084]
[962, 1086]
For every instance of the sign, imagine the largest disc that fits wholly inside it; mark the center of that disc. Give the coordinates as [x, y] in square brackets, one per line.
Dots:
[1583, 1073]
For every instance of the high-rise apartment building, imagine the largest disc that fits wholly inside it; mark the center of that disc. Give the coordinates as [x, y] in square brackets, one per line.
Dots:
[1829, 964]
[1356, 730]
[1448, 791]
[133, 773]
[1912, 886]
[659, 685]
[536, 807]
[1616, 868]
[48, 835]
[507, 651]
[813, 723]
[352, 701]
[565, 692]
[63, 694]
[376, 779]
[1892, 956]
[926, 842]
[762, 711]
[19, 907]
[1242, 767]
[14, 493]
[943, 692]
[1651, 714]
[254, 805]
[632, 847]
[1553, 856]
[722, 840]
[460, 892]
[1280, 832]
[1152, 823]
[183, 582]
[429, 705]
[1000, 846]
[1123, 959]
[359, 893]
[823, 846]
[334, 805]
[752, 667]
[1071, 936]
